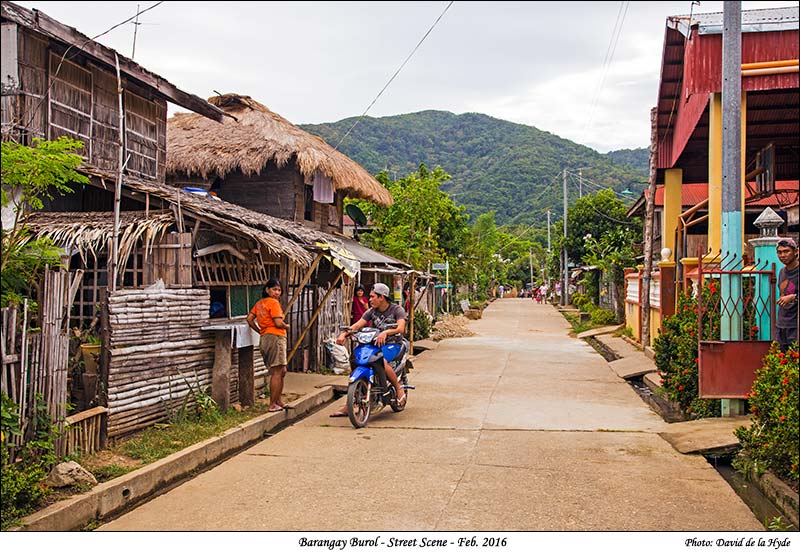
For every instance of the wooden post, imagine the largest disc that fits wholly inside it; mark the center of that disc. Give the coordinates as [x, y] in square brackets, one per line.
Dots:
[247, 388]
[303, 282]
[118, 189]
[411, 315]
[220, 374]
[314, 317]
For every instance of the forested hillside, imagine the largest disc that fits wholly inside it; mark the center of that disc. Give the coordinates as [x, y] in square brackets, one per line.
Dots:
[497, 165]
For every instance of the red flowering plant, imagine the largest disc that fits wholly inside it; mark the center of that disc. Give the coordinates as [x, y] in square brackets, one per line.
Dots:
[677, 349]
[772, 439]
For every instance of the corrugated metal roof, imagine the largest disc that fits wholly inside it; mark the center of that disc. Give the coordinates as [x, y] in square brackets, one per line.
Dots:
[371, 257]
[753, 21]
[693, 194]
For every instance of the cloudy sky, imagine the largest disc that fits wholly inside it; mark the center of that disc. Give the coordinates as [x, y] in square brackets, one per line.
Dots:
[537, 63]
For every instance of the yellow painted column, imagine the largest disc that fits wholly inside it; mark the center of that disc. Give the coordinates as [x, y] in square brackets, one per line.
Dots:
[715, 174]
[744, 162]
[673, 200]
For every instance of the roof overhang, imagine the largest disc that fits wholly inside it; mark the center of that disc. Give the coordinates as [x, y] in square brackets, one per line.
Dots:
[48, 27]
[691, 71]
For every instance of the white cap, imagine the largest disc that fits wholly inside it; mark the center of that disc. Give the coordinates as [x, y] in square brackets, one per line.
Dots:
[381, 289]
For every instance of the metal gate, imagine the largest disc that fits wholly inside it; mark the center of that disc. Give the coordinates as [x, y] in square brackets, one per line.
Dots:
[736, 315]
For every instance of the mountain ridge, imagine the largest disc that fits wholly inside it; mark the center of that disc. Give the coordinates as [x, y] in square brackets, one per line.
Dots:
[495, 164]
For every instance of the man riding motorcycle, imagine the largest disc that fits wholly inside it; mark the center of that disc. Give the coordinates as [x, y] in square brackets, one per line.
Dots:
[382, 315]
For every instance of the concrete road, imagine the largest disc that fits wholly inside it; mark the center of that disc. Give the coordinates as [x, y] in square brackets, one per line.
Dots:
[518, 428]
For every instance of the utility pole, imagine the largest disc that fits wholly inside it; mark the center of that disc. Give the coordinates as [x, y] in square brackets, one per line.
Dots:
[732, 229]
[548, 231]
[530, 260]
[565, 257]
[580, 182]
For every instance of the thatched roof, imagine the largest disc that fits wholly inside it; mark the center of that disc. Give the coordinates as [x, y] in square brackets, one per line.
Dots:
[89, 231]
[278, 236]
[198, 146]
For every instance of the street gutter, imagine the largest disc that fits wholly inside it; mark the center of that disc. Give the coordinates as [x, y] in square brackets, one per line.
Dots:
[127, 491]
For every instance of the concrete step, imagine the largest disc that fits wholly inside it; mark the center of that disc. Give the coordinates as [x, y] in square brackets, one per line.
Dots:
[704, 436]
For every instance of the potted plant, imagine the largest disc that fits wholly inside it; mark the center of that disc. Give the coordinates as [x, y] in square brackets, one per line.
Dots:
[90, 350]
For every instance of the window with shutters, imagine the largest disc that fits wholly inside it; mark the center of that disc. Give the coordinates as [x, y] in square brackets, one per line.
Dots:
[70, 103]
[141, 135]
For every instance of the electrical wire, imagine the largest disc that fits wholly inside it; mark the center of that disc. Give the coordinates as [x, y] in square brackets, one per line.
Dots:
[395, 75]
[616, 32]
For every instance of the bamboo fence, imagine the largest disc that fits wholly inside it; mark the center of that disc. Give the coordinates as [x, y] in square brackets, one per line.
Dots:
[35, 363]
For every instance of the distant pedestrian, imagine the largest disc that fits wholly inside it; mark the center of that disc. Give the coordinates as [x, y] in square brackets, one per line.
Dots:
[787, 285]
[502, 288]
[266, 318]
[360, 303]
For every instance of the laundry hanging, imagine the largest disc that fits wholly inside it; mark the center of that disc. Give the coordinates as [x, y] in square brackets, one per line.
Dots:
[323, 188]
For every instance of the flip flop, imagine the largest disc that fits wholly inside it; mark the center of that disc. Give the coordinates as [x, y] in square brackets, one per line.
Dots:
[337, 414]
[275, 409]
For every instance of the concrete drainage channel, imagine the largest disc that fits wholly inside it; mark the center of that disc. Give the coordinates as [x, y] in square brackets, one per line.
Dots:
[760, 505]
[111, 499]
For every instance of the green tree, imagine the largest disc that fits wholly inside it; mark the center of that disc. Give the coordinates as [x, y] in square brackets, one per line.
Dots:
[597, 215]
[423, 225]
[30, 174]
[611, 253]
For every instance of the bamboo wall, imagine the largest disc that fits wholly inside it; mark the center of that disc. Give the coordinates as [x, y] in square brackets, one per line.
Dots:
[155, 348]
[75, 97]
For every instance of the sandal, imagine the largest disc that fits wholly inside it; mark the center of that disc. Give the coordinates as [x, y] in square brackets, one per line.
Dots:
[337, 414]
[275, 409]
[402, 401]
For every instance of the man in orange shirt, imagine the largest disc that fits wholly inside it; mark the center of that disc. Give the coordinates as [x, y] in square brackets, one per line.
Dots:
[266, 318]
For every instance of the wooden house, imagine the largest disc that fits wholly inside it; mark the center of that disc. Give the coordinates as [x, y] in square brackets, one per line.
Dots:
[144, 257]
[261, 161]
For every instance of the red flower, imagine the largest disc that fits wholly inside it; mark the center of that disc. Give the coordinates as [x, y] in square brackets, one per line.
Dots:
[782, 418]
[680, 387]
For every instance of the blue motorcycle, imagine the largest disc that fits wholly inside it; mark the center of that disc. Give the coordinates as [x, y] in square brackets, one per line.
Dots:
[369, 390]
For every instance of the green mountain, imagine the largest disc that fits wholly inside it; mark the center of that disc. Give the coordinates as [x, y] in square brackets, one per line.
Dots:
[513, 169]
[638, 159]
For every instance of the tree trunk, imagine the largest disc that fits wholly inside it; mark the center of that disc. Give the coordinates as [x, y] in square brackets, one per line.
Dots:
[648, 230]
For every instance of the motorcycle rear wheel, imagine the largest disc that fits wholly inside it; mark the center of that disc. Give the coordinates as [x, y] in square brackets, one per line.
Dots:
[359, 405]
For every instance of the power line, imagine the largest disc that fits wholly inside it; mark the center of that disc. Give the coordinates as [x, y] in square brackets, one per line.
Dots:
[616, 32]
[395, 75]
[598, 186]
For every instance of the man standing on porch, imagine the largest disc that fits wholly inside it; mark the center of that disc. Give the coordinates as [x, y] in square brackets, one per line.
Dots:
[787, 285]
[266, 318]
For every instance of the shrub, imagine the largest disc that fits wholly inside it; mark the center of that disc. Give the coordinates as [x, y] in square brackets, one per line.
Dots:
[422, 325]
[676, 351]
[581, 301]
[603, 316]
[772, 439]
[21, 481]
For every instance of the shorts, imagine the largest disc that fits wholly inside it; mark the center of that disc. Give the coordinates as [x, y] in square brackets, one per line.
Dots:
[273, 350]
[786, 336]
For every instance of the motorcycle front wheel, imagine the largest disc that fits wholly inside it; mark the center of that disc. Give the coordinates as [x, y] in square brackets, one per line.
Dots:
[358, 403]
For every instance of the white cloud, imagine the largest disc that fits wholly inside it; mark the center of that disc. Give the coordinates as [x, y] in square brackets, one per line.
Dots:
[530, 62]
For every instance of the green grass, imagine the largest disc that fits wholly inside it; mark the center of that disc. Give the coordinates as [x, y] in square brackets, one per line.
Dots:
[109, 472]
[577, 325]
[162, 440]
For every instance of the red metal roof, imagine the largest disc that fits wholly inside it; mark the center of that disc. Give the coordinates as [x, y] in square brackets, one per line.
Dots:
[693, 194]
[691, 69]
